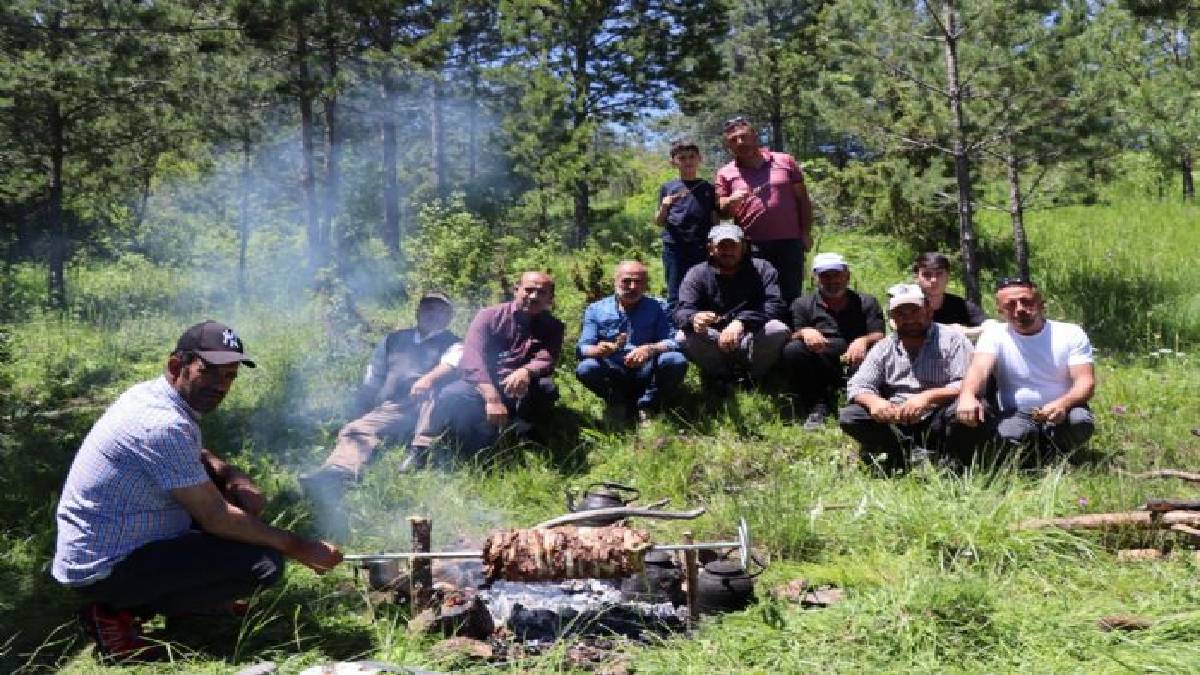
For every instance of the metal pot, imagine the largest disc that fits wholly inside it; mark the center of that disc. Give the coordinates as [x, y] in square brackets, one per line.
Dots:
[604, 496]
[660, 581]
[724, 586]
[382, 575]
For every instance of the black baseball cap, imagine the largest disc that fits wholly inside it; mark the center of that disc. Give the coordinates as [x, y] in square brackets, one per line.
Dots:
[436, 296]
[214, 342]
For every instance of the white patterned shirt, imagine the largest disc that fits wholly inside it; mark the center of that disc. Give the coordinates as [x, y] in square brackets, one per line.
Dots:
[889, 372]
[117, 497]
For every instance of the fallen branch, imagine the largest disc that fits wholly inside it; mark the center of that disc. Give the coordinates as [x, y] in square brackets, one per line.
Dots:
[1167, 473]
[1186, 529]
[1103, 521]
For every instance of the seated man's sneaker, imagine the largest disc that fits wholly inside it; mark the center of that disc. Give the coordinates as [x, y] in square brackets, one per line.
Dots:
[326, 480]
[816, 417]
[117, 634]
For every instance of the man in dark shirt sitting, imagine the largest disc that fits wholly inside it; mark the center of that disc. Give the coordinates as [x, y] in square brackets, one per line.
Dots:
[728, 313]
[931, 270]
[507, 371]
[833, 325]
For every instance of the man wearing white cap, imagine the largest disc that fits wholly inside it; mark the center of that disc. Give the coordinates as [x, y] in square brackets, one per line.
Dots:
[901, 398]
[728, 312]
[833, 325]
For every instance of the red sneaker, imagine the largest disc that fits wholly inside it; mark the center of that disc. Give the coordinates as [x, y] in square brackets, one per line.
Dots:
[117, 634]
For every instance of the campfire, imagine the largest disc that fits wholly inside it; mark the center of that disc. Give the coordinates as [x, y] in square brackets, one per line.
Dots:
[597, 584]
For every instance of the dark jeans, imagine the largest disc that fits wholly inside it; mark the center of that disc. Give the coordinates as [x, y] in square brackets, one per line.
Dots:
[938, 433]
[655, 380]
[678, 258]
[787, 257]
[814, 377]
[192, 572]
[1017, 428]
[460, 411]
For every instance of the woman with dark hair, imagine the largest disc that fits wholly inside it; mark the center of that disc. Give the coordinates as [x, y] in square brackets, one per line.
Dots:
[931, 271]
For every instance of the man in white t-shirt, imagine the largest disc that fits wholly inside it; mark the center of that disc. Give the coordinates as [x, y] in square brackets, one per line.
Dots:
[1044, 375]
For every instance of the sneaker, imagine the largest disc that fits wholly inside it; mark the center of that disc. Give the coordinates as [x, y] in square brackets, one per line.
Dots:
[327, 479]
[415, 460]
[644, 418]
[117, 634]
[920, 458]
[816, 417]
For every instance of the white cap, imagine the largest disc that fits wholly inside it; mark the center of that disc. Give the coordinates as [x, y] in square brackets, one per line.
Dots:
[905, 294]
[726, 231]
[823, 262]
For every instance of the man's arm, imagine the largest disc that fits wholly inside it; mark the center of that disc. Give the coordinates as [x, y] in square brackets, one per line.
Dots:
[233, 483]
[1083, 386]
[804, 209]
[220, 518]
[969, 408]
[688, 304]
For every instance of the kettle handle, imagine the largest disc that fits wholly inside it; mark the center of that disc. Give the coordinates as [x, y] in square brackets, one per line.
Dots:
[620, 488]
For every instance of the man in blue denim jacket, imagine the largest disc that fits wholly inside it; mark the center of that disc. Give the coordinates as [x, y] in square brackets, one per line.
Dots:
[627, 356]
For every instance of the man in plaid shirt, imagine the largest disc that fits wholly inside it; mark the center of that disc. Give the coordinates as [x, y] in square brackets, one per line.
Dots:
[902, 396]
[151, 522]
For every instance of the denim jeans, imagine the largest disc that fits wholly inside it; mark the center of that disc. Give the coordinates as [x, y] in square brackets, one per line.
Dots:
[649, 384]
[678, 258]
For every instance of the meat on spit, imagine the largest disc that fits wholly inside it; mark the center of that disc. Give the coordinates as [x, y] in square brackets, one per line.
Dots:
[566, 552]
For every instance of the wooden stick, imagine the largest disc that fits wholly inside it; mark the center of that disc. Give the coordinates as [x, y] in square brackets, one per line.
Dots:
[422, 568]
[1186, 529]
[690, 566]
[1167, 473]
[1103, 521]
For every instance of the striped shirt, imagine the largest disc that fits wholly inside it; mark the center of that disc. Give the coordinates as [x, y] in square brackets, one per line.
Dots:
[117, 497]
[889, 371]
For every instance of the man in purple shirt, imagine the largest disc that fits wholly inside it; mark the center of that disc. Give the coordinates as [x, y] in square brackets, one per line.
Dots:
[507, 371]
[764, 193]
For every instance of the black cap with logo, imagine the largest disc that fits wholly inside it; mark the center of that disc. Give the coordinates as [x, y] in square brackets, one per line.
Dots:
[214, 342]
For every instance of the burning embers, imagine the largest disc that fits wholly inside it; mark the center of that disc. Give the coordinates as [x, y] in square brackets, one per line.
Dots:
[566, 552]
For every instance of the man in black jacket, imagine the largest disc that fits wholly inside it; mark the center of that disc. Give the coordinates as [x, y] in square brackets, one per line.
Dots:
[728, 313]
[397, 392]
[833, 326]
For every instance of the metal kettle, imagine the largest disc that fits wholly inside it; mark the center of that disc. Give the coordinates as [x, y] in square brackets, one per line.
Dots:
[602, 495]
[724, 585]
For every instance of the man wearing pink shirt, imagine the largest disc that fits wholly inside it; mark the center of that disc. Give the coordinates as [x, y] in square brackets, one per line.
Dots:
[764, 193]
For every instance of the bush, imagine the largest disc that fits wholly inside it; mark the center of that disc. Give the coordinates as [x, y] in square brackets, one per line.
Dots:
[885, 196]
[455, 252]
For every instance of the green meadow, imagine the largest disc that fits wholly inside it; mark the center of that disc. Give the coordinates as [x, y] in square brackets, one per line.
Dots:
[937, 578]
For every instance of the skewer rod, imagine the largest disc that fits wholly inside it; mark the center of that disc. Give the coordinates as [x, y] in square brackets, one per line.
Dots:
[467, 555]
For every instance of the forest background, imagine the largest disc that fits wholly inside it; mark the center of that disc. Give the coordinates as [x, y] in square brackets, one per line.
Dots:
[304, 168]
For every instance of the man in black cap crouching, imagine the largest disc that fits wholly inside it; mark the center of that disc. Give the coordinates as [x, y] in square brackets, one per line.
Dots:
[151, 522]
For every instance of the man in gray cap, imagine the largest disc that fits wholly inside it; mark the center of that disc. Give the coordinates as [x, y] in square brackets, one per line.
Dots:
[152, 522]
[728, 313]
[902, 397]
[396, 397]
[833, 326]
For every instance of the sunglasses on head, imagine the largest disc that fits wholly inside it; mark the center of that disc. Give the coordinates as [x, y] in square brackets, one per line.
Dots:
[735, 122]
[1009, 282]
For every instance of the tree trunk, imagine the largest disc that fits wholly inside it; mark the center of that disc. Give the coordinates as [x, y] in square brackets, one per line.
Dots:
[1189, 185]
[579, 108]
[312, 212]
[244, 214]
[334, 237]
[962, 162]
[56, 281]
[777, 139]
[473, 126]
[391, 187]
[1016, 212]
[437, 129]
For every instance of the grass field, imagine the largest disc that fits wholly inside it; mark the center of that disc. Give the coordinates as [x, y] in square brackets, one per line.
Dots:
[936, 577]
